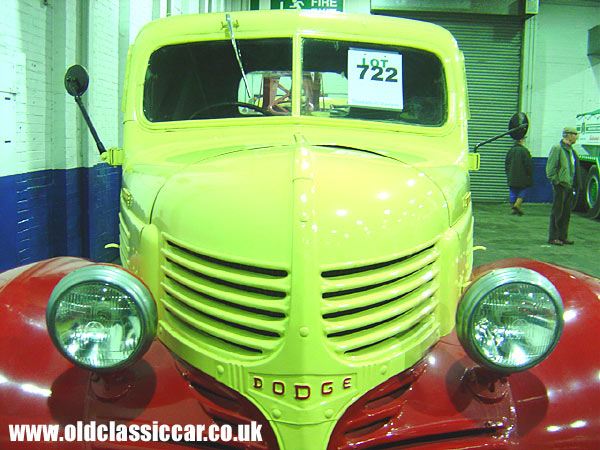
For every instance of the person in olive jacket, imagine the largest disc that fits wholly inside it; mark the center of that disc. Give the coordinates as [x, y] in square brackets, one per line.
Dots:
[519, 173]
[562, 169]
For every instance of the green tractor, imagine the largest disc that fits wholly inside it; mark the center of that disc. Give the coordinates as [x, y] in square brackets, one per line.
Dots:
[588, 199]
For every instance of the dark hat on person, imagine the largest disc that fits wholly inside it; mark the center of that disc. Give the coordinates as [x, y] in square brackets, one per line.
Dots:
[569, 130]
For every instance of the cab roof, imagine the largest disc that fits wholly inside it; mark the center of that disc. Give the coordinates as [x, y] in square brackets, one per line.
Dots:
[288, 23]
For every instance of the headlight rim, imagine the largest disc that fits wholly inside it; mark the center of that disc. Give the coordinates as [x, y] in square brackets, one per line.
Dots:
[122, 279]
[486, 284]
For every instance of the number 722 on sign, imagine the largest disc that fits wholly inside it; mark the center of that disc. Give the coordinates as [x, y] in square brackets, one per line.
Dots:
[375, 78]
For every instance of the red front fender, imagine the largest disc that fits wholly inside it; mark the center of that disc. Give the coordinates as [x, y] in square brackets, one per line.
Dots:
[30, 364]
[436, 405]
[558, 402]
[39, 386]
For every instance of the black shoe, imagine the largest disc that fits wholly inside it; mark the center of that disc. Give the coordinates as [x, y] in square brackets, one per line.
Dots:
[555, 242]
[567, 242]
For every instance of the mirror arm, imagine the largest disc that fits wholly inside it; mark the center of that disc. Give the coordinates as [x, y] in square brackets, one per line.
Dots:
[520, 127]
[99, 144]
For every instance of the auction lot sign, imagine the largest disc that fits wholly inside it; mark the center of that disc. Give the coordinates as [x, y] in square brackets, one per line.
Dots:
[335, 5]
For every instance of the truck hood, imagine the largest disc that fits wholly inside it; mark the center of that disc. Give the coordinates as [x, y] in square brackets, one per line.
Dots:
[360, 206]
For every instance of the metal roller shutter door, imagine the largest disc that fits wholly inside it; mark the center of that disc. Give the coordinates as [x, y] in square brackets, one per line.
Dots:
[492, 47]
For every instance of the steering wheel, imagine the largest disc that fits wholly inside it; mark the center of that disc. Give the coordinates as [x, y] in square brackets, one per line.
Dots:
[240, 104]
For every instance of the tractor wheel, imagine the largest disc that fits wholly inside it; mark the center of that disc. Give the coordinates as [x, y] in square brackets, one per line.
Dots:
[592, 194]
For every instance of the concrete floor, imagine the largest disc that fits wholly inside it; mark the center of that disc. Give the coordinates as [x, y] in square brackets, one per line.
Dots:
[508, 236]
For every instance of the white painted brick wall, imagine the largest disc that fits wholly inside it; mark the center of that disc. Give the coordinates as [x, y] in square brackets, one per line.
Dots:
[37, 44]
[564, 83]
[103, 64]
[31, 39]
[62, 144]
[141, 14]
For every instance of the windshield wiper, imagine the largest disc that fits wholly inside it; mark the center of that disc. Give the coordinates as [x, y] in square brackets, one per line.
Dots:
[237, 54]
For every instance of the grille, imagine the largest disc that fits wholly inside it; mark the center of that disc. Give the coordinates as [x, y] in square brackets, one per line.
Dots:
[224, 304]
[377, 308]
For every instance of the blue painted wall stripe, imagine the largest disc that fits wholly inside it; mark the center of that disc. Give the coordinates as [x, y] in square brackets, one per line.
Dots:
[59, 212]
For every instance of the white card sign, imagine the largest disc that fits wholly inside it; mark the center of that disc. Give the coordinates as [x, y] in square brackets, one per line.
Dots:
[375, 79]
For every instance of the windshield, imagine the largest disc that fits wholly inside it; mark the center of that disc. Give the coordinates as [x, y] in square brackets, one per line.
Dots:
[358, 80]
[340, 79]
[201, 80]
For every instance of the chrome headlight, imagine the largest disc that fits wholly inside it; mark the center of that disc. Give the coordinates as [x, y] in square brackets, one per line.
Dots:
[101, 317]
[510, 320]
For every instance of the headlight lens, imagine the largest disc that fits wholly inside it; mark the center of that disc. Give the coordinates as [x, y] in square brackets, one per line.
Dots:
[510, 319]
[101, 317]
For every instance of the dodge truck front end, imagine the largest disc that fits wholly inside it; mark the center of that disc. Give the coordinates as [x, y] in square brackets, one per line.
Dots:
[296, 236]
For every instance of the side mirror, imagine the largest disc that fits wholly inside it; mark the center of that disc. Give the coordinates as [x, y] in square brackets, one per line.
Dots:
[76, 83]
[518, 126]
[76, 80]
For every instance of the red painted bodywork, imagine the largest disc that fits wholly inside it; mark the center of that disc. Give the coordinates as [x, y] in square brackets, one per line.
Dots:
[445, 402]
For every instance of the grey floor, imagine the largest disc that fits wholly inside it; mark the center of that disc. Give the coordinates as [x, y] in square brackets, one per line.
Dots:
[508, 236]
